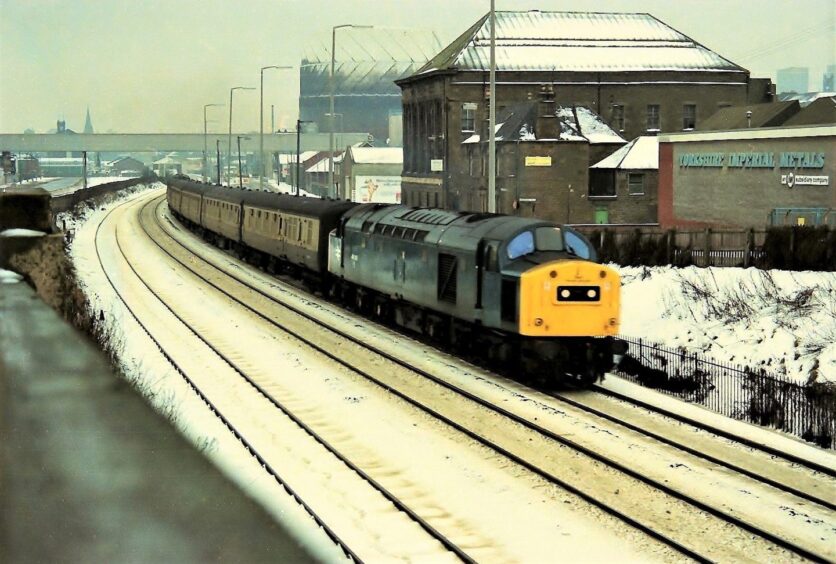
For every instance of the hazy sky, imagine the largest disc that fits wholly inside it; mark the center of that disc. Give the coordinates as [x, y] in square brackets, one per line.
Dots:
[150, 65]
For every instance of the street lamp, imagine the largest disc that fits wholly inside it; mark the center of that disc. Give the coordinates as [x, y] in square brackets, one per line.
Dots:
[332, 116]
[331, 88]
[205, 156]
[299, 123]
[261, 126]
[229, 144]
[240, 176]
[492, 118]
[218, 158]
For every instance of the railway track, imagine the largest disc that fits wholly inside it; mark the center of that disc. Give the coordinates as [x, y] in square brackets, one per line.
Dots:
[725, 521]
[241, 434]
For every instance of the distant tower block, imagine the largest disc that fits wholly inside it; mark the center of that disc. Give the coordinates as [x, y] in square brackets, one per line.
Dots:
[88, 123]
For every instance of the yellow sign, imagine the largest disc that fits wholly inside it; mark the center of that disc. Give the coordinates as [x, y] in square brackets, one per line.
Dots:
[538, 161]
[800, 220]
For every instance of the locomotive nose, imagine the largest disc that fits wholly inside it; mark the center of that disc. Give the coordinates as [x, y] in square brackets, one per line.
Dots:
[569, 298]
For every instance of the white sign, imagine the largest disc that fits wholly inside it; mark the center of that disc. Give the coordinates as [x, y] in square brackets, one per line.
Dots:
[377, 189]
[793, 179]
[436, 165]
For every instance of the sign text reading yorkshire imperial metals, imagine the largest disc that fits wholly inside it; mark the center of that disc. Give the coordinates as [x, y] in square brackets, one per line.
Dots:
[752, 160]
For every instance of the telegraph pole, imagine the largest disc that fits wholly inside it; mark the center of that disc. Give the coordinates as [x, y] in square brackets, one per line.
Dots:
[492, 119]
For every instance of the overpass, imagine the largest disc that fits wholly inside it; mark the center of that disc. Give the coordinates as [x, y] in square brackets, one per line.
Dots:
[152, 142]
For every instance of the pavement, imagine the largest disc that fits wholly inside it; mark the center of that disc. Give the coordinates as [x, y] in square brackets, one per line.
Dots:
[89, 473]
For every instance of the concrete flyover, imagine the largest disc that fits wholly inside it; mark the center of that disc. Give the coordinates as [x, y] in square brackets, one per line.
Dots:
[152, 142]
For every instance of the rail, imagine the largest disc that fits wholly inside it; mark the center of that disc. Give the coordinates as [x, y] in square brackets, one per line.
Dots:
[736, 391]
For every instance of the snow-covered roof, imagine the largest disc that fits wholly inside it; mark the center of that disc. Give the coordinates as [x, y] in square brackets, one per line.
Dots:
[166, 160]
[377, 155]
[518, 122]
[642, 153]
[805, 98]
[287, 158]
[319, 166]
[577, 41]
[589, 125]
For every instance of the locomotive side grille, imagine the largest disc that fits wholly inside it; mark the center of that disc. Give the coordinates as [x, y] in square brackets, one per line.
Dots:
[447, 278]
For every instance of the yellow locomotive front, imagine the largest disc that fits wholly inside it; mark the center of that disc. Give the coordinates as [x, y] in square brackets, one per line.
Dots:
[569, 298]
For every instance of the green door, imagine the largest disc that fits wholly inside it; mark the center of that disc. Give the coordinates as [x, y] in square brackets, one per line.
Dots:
[602, 216]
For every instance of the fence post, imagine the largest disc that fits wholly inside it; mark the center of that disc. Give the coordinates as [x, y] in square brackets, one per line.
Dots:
[750, 243]
[669, 241]
[707, 247]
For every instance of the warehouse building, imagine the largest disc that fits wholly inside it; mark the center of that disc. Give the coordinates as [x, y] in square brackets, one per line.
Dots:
[639, 74]
[748, 177]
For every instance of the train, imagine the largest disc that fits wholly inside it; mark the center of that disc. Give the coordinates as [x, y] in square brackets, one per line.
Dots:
[516, 292]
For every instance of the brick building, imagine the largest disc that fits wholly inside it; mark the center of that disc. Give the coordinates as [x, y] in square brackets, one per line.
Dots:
[623, 187]
[747, 176]
[543, 154]
[638, 73]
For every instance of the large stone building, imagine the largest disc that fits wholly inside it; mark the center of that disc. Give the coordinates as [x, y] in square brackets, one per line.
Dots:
[636, 72]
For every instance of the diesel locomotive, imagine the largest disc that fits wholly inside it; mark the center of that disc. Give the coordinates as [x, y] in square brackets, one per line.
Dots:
[517, 292]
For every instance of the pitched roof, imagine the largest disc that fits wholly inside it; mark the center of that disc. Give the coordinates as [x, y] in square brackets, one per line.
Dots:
[763, 115]
[577, 41]
[376, 155]
[642, 153]
[822, 111]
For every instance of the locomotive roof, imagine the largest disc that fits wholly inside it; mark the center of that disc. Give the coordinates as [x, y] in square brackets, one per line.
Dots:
[452, 228]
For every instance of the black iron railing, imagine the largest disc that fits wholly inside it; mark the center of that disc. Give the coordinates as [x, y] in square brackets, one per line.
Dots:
[740, 392]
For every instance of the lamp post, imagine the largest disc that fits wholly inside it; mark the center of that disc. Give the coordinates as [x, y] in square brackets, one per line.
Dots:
[240, 175]
[331, 117]
[331, 104]
[299, 123]
[261, 126]
[218, 158]
[205, 151]
[229, 144]
[492, 118]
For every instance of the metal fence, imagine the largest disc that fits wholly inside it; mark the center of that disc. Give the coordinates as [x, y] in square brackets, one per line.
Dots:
[739, 392]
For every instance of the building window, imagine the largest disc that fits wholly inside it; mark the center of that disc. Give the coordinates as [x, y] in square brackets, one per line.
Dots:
[617, 120]
[468, 117]
[635, 184]
[689, 116]
[653, 122]
[602, 184]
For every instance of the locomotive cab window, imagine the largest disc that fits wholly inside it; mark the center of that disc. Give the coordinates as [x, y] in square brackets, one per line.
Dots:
[520, 245]
[549, 239]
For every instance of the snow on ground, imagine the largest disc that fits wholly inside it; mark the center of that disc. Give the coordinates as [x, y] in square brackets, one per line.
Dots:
[781, 321]
[9, 277]
[286, 188]
[20, 232]
[145, 366]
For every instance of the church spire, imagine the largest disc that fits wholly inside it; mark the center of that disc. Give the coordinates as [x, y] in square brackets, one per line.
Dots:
[88, 123]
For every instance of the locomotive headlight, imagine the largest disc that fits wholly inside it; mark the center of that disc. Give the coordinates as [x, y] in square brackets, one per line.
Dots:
[591, 294]
[564, 293]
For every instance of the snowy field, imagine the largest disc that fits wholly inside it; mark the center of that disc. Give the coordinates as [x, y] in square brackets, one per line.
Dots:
[784, 322]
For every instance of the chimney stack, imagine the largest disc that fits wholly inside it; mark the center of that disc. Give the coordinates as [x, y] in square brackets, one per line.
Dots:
[547, 124]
